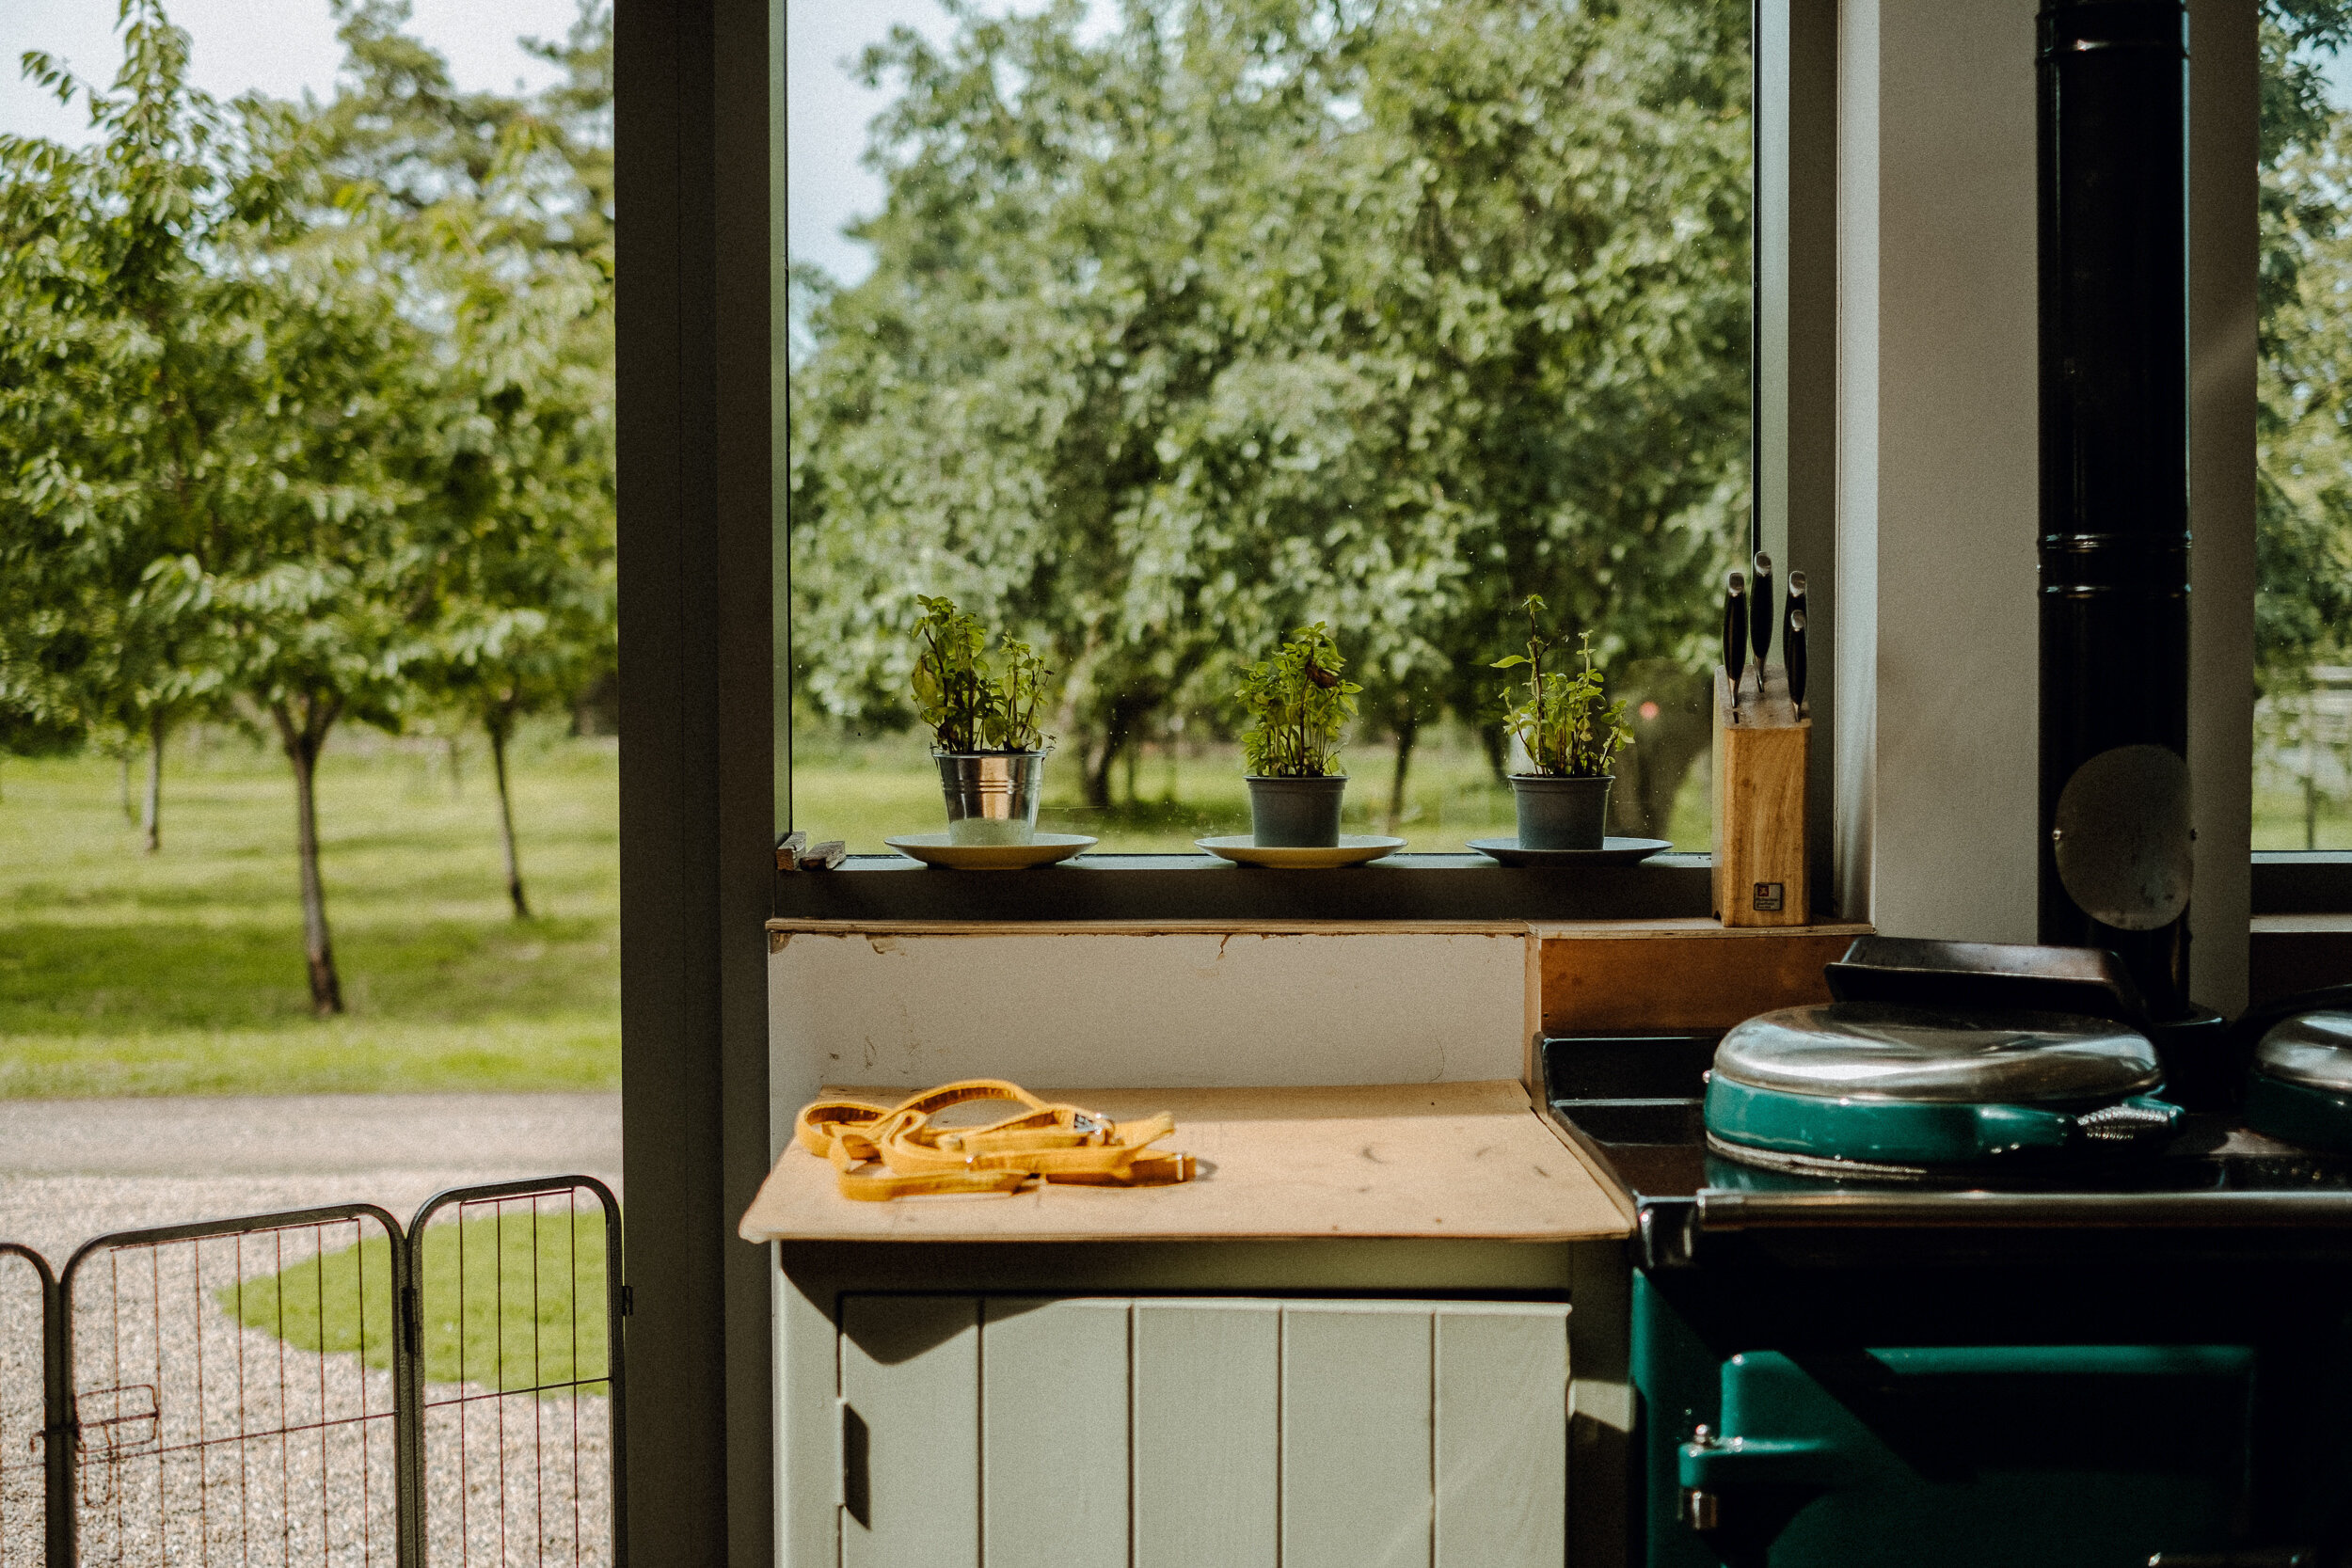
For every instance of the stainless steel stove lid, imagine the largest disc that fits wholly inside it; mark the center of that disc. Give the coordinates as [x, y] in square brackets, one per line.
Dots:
[1876, 1051]
[2311, 1049]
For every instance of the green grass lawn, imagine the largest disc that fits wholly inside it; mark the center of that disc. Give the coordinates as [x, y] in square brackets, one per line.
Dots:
[498, 1302]
[864, 791]
[183, 973]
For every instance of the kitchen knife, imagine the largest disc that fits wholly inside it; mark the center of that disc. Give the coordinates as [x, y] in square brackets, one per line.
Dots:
[1760, 616]
[1734, 636]
[1792, 641]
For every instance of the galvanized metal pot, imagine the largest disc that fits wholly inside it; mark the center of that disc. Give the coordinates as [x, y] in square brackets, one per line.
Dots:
[991, 795]
[1296, 814]
[1561, 812]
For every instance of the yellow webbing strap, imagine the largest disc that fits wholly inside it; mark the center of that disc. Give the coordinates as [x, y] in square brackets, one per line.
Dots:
[1044, 1141]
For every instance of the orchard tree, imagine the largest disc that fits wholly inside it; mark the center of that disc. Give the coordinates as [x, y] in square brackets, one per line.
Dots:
[212, 459]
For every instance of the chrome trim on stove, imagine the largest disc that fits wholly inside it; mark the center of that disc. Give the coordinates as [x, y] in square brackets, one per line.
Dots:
[1882, 1052]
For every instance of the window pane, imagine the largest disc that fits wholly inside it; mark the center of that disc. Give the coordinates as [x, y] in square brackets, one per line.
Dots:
[2302, 659]
[1147, 332]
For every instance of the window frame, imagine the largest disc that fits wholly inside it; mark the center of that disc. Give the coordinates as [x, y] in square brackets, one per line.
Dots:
[1792, 374]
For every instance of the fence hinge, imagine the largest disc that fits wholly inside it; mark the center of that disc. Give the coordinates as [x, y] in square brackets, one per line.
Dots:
[412, 1319]
[628, 1300]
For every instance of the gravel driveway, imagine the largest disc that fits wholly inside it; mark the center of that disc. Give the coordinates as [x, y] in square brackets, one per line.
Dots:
[182, 1466]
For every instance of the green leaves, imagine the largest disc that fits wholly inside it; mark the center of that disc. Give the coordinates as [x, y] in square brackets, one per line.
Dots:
[967, 706]
[1564, 722]
[1246, 314]
[1300, 707]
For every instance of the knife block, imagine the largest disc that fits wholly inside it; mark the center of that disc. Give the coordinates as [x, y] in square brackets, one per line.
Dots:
[1759, 804]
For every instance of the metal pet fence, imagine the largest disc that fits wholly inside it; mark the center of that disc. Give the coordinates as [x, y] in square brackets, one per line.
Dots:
[322, 1387]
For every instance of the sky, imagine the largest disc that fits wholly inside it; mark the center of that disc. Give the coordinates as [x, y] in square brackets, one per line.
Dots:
[283, 46]
[277, 46]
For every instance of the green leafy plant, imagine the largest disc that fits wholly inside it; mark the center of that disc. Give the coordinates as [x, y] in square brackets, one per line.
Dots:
[1568, 729]
[969, 707]
[1300, 705]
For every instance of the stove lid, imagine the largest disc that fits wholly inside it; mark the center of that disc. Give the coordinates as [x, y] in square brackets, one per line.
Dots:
[1876, 1051]
[2311, 1049]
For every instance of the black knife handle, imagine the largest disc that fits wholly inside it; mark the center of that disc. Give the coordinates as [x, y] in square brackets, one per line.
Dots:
[1760, 616]
[1792, 651]
[1735, 634]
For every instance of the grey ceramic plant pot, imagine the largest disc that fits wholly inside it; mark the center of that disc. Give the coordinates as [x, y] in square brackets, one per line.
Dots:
[1562, 813]
[991, 795]
[1296, 814]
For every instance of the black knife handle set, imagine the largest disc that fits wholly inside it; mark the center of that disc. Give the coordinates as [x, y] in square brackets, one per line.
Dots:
[1748, 626]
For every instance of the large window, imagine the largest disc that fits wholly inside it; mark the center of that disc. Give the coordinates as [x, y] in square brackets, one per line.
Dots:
[2303, 626]
[1146, 332]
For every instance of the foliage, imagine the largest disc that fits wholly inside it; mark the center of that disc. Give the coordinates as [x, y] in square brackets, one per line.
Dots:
[968, 707]
[1300, 707]
[1562, 722]
[307, 408]
[2303, 599]
[1243, 314]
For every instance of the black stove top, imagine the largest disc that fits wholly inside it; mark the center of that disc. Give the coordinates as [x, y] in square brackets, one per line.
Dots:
[1633, 1105]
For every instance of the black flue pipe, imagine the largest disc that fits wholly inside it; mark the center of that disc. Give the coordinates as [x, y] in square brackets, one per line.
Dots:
[2114, 348]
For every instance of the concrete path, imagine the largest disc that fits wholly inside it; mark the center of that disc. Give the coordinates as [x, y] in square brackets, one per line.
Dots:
[72, 1169]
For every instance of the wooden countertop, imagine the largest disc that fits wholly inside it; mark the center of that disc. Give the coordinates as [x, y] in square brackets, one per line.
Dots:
[1414, 1160]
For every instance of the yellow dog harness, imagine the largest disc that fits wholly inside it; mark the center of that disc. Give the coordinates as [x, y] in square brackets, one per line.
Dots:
[1049, 1142]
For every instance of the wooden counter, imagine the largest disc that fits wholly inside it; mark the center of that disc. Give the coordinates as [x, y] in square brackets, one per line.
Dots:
[1421, 1161]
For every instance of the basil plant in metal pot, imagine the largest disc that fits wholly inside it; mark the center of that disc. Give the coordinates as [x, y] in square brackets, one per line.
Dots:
[1571, 733]
[1300, 707]
[983, 722]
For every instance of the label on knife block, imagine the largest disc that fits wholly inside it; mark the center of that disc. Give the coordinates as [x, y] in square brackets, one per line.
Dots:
[1759, 804]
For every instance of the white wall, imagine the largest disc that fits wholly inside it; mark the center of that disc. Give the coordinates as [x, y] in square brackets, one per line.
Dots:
[1937, 629]
[1111, 1010]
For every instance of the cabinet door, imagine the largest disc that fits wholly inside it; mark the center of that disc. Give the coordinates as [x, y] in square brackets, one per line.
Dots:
[1107, 1433]
[1053, 1421]
[1356, 1434]
[910, 1431]
[1207, 1421]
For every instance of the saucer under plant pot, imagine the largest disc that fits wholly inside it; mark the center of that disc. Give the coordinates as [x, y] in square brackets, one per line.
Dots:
[1300, 708]
[1571, 733]
[1561, 812]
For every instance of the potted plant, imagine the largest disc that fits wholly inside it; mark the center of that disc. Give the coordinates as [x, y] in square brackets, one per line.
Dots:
[984, 731]
[1301, 706]
[1570, 734]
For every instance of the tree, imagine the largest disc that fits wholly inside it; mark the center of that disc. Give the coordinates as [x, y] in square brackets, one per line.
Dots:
[215, 484]
[1253, 312]
[499, 220]
[2304, 476]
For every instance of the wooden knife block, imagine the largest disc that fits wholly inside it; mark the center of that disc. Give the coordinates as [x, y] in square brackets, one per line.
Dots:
[1759, 805]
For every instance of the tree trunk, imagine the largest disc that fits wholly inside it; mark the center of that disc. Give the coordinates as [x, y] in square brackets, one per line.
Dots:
[151, 816]
[496, 723]
[303, 741]
[1408, 730]
[1097, 772]
[130, 813]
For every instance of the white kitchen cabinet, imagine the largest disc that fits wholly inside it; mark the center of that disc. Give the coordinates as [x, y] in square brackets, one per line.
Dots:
[1105, 1432]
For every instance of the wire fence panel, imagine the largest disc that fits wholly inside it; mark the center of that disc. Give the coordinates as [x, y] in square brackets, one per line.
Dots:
[234, 1392]
[519, 1375]
[322, 1387]
[27, 1289]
